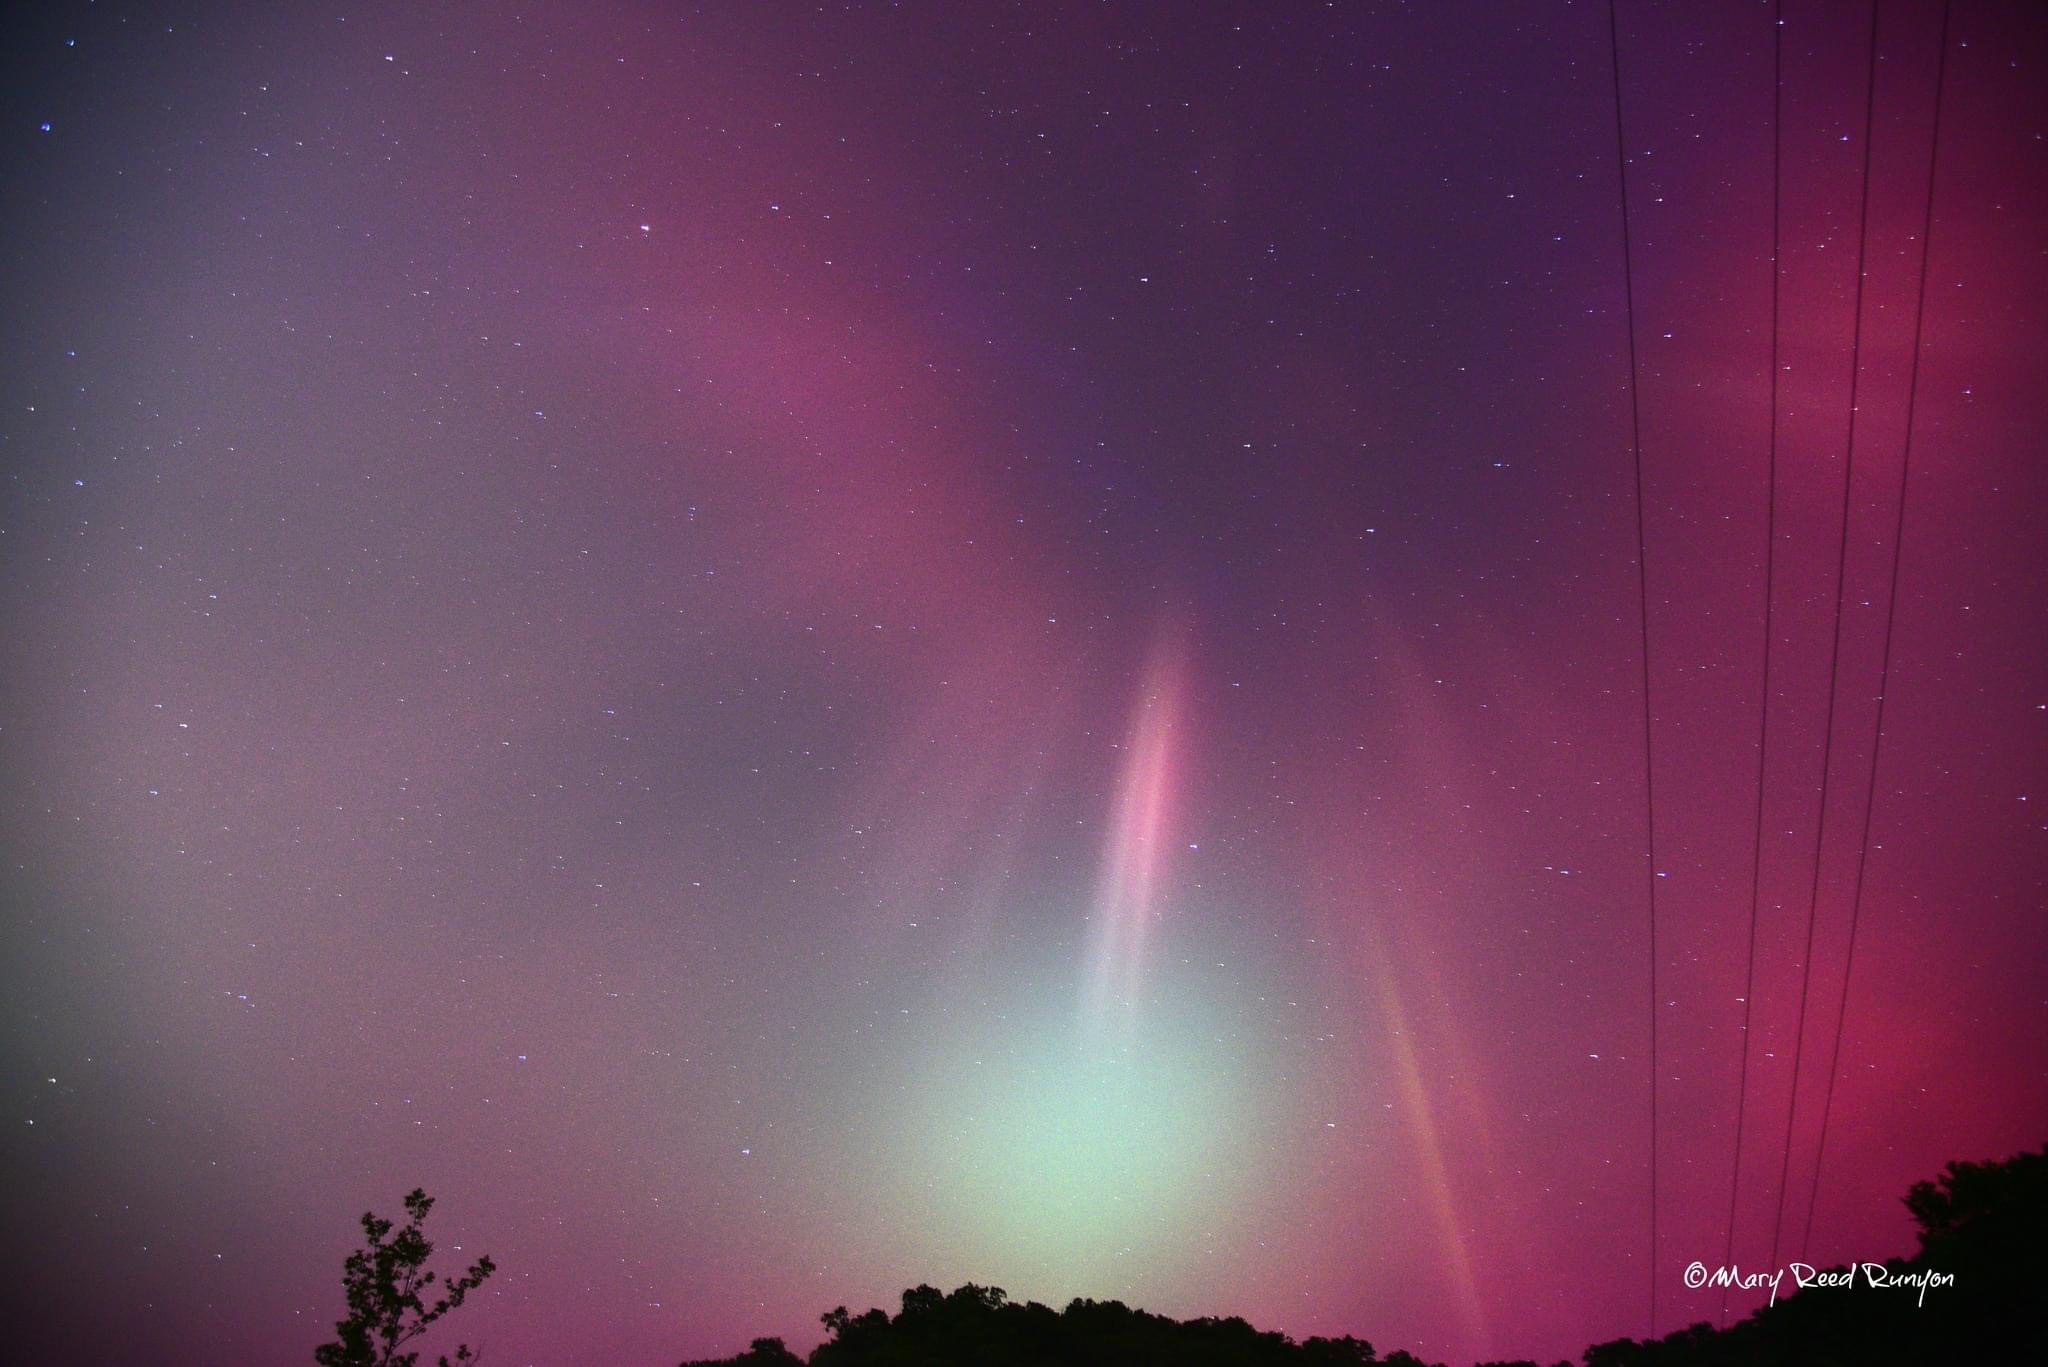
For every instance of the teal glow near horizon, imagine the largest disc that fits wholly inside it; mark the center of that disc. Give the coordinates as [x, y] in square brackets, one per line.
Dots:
[1032, 1144]
[788, 651]
[1066, 1153]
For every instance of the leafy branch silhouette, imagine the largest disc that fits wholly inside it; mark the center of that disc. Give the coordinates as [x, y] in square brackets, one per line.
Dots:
[387, 1282]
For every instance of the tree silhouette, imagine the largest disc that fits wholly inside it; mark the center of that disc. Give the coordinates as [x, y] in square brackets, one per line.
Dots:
[983, 1326]
[387, 1285]
[1982, 1261]
[1980, 1234]
[764, 1353]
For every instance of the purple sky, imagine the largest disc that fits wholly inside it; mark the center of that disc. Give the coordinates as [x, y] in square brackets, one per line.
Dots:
[790, 650]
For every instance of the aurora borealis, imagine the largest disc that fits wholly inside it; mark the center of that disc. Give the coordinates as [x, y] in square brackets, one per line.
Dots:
[791, 650]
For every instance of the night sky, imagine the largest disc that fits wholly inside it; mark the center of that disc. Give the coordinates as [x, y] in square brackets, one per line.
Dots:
[791, 650]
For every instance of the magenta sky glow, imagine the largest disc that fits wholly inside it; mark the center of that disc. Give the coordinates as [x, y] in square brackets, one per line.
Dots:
[787, 651]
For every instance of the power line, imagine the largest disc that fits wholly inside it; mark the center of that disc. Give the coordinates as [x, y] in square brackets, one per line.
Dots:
[1763, 725]
[1643, 615]
[1891, 605]
[1835, 653]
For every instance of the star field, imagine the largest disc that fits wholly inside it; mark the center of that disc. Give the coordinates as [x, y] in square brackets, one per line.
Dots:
[791, 651]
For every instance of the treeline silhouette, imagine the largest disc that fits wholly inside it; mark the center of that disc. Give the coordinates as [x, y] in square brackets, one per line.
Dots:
[1983, 1225]
[981, 1325]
